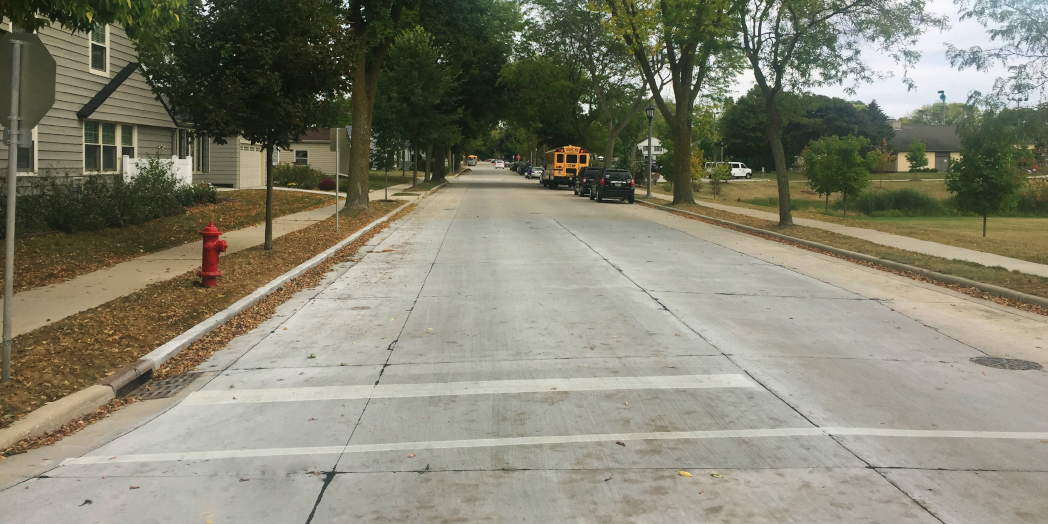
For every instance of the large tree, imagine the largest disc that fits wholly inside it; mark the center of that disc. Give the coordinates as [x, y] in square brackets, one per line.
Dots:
[373, 27]
[263, 69]
[794, 44]
[687, 40]
[569, 26]
[1021, 29]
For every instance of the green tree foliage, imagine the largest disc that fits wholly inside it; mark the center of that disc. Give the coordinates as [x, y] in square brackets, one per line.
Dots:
[546, 98]
[140, 18]
[569, 27]
[917, 156]
[688, 41]
[793, 44]
[261, 69]
[415, 96]
[475, 39]
[805, 118]
[931, 114]
[1021, 28]
[833, 165]
[985, 181]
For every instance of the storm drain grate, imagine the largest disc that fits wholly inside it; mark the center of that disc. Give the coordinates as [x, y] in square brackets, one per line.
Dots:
[1006, 363]
[165, 388]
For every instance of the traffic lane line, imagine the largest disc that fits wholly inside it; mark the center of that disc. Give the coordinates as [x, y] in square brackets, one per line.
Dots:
[487, 387]
[556, 439]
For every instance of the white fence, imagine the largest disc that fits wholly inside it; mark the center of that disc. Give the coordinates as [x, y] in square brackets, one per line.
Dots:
[181, 167]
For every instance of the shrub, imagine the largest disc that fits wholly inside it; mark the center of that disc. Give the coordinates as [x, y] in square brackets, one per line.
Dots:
[1033, 199]
[294, 175]
[102, 201]
[326, 185]
[897, 202]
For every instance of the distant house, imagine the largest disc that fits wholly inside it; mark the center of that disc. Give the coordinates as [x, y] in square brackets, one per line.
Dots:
[103, 110]
[656, 148]
[314, 149]
[941, 144]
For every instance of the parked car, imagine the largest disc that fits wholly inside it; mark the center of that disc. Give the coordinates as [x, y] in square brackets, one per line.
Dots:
[500, 164]
[738, 169]
[612, 183]
[536, 172]
[582, 184]
[522, 168]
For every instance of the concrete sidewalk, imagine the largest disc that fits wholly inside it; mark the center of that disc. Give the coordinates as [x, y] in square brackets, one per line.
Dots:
[897, 241]
[41, 306]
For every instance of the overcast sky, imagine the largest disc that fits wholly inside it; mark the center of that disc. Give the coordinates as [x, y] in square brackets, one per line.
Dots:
[931, 74]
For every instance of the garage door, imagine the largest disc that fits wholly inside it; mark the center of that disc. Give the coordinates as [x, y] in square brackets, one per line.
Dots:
[251, 166]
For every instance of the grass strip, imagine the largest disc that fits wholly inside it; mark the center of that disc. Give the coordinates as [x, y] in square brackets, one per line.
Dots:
[998, 276]
[78, 351]
[44, 259]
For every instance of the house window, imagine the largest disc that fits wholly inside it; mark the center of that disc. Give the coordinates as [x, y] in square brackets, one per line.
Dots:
[104, 143]
[27, 155]
[301, 157]
[99, 49]
[127, 141]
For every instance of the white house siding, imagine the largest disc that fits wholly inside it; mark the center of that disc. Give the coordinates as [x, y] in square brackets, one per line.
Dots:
[321, 157]
[60, 132]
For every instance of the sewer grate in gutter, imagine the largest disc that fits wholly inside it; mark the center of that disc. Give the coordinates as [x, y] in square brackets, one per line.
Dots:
[1006, 363]
[165, 388]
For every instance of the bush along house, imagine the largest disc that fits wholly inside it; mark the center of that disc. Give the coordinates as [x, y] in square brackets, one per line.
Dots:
[104, 110]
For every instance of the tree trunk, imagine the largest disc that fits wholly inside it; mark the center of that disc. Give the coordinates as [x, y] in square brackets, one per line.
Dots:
[609, 147]
[439, 162]
[429, 165]
[984, 226]
[844, 197]
[774, 134]
[414, 169]
[682, 192]
[827, 210]
[365, 84]
[268, 244]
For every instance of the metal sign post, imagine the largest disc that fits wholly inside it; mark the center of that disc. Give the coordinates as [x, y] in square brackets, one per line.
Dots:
[31, 94]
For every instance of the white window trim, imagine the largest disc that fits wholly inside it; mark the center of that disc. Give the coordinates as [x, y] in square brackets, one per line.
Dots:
[108, 45]
[119, 156]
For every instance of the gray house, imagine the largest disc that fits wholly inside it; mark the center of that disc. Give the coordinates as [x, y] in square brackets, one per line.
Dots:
[104, 109]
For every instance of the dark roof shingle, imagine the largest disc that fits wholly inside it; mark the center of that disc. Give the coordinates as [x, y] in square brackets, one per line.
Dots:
[935, 138]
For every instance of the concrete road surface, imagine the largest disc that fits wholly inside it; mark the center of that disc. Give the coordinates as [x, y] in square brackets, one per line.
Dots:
[509, 353]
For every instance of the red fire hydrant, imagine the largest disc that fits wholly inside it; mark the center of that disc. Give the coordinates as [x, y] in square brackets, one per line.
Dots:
[209, 272]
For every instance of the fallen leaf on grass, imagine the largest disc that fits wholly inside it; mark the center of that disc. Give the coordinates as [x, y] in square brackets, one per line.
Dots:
[684, 473]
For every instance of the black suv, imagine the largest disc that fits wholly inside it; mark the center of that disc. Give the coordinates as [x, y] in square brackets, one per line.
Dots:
[582, 180]
[612, 183]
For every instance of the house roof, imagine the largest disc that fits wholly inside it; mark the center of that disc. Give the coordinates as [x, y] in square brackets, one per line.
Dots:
[317, 134]
[935, 138]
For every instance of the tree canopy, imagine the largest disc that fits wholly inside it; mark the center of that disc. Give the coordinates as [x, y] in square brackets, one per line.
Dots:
[137, 17]
[1020, 27]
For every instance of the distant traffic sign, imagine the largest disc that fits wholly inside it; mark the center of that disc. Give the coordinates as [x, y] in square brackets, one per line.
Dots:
[37, 94]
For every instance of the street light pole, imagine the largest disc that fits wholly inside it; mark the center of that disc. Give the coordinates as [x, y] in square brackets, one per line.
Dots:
[942, 96]
[650, 111]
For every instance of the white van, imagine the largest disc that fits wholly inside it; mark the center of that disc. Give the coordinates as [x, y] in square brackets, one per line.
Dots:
[738, 169]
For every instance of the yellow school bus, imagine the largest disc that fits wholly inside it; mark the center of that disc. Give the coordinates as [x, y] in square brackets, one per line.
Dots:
[472, 160]
[562, 164]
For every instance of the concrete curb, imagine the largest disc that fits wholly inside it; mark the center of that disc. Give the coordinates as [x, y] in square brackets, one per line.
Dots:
[56, 414]
[951, 279]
